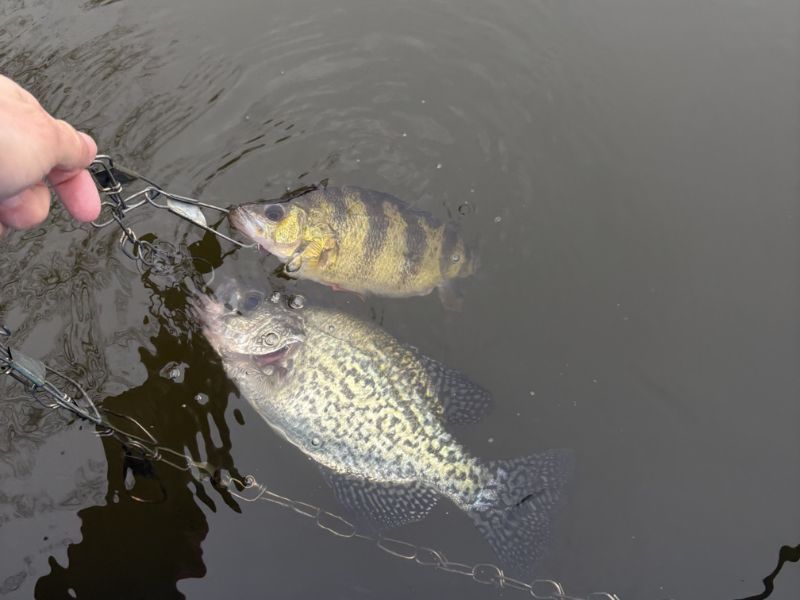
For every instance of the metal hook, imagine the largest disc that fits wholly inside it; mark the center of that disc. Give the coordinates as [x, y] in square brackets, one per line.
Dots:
[103, 171]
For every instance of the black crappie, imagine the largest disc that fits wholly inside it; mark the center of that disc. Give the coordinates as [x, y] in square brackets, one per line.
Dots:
[360, 240]
[372, 412]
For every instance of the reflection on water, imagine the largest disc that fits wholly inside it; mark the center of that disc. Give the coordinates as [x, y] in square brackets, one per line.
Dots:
[46, 474]
[142, 536]
[144, 519]
[787, 554]
[629, 172]
[142, 500]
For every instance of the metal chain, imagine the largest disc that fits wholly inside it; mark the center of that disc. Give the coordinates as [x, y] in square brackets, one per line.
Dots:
[33, 375]
[161, 257]
[484, 573]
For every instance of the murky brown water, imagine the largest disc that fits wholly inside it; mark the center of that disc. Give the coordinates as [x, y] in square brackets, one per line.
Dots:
[630, 173]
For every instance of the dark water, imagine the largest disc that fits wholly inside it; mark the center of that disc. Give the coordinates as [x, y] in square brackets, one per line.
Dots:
[630, 172]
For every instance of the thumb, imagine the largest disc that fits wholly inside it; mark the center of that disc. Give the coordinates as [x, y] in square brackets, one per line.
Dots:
[76, 188]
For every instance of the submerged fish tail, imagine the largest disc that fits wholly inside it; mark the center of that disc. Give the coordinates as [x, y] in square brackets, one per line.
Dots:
[514, 511]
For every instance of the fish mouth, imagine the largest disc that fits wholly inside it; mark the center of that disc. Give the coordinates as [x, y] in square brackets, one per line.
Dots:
[211, 314]
[234, 334]
[206, 309]
[248, 221]
[244, 221]
[250, 224]
[278, 358]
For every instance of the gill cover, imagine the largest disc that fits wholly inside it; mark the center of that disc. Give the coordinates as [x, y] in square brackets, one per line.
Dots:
[277, 227]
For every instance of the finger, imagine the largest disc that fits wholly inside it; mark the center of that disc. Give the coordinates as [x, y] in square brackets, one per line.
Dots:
[8, 86]
[73, 150]
[26, 209]
[78, 193]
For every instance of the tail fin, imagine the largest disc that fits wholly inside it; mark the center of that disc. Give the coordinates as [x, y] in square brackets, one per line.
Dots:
[515, 510]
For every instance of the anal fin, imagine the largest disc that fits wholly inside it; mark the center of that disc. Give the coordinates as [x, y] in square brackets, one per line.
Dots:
[380, 504]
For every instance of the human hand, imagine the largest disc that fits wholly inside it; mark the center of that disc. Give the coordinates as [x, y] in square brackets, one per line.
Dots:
[36, 149]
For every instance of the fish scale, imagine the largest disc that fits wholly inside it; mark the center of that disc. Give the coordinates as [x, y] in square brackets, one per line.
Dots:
[414, 426]
[389, 385]
[360, 240]
[372, 412]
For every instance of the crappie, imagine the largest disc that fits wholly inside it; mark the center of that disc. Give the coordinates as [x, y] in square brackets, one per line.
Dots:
[360, 240]
[372, 412]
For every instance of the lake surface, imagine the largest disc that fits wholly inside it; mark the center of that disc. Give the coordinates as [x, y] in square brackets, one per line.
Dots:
[629, 172]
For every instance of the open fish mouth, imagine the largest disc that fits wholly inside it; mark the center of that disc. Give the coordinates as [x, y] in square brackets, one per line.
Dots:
[248, 220]
[206, 309]
[277, 360]
[242, 220]
[211, 314]
[271, 358]
[249, 224]
[248, 330]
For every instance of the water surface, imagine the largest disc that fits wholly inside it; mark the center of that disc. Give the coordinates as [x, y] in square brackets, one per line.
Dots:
[629, 171]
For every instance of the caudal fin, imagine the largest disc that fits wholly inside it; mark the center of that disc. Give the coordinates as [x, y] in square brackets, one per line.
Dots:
[515, 510]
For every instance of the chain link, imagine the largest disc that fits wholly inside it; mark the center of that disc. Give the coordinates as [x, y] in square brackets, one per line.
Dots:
[483, 573]
[162, 257]
[35, 377]
[32, 374]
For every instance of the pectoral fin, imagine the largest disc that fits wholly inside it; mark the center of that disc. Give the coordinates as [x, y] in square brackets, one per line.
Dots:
[295, 262]
[328, 255]
[320, 251]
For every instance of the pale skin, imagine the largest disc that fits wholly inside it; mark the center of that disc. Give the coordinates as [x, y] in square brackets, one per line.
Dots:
[36, 150]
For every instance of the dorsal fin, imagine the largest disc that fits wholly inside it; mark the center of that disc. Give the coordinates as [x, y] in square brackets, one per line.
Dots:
[463, 400]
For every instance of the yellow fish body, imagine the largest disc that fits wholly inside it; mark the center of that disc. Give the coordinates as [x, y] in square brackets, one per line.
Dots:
[360, 240]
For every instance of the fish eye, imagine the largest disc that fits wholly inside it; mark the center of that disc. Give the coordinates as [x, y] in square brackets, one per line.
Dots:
[252, 300]
[274, 212]
[270, 339]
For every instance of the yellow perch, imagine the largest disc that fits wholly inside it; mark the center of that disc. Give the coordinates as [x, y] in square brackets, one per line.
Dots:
[360, 240]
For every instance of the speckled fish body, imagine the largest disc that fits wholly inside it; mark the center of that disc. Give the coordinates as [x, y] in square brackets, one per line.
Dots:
[359, 240]
[353, 398]
[372, 411]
